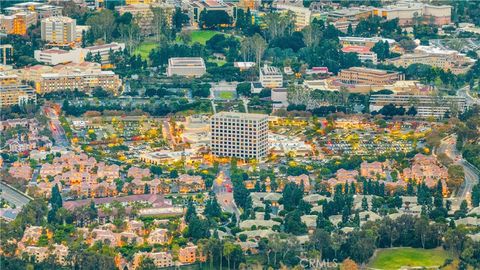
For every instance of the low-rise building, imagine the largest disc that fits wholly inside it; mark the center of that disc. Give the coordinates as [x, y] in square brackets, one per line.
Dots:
[6, 54]
[369, 76]
[186, 66]
[160, 259]
[271, 77]
[410, 13]
[303, 15]
[364, 54]
[188, 254]
[82, 81]
[55, 56]
[13, 92]
[18, 23]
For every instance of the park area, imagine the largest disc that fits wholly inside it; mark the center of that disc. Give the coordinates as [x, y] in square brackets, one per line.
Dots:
[394, 259]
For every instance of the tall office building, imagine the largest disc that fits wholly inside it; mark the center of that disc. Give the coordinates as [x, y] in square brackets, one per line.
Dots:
[59, 30]
[241, 135]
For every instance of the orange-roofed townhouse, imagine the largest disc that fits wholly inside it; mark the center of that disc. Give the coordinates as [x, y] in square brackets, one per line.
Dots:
[110, 172]
[188, 254]
[160, 259]
[371, 170]
[301, 180]
[107, 237]
[129, 238]
[138, 173]
[190, 183]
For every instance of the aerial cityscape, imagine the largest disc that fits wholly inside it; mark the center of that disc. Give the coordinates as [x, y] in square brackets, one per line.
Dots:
[239, 134]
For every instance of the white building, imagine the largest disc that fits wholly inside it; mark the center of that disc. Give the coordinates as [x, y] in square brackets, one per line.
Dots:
[186, 66]
[59, 30]
[426, 106]
[364, 54]
[240, 135]
[271, 77]
[104, 50]
[56, 56]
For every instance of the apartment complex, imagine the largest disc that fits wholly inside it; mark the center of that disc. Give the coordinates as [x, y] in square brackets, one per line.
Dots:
[426, 106]
[83, 81]
[6, 54]
[364, 54]
[12, 92]
[410, 13]
[18, 23]
[303, 16]
[160, 259]
[186, 66]
[369, 76]
[271, 77]
[451, 60]
[240, 135]
[59, 30]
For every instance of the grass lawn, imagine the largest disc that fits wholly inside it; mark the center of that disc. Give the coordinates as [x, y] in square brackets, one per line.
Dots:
[393, 259]
[226, 95]
[144, 49]
[201, 36]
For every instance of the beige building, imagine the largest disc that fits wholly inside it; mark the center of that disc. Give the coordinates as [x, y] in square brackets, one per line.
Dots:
[59, 30]
[143, 14]
[83, 81]
[104, 50]
[186, 66]
[303, 16]
[369, 76]
[451, 60]
[18, 23]
[160, 259]
[240, 135]
[411, 13]
[13, 92]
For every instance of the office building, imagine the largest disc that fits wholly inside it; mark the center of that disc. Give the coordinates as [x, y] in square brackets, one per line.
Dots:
[271, 77]
[452, 60]
[56, 56]
[83, 81]
[104, 50]
[59, 30]
[144, 16]
[364, 54]
[241, 135]
[186, 66]
[410, 13]
[12, 92]
[196, 7]
[6, 54]
[41, 9]
[426, 106]
[369, 76]
[362, 41]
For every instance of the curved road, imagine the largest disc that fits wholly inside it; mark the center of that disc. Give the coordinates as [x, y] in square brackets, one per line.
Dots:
[447, 146]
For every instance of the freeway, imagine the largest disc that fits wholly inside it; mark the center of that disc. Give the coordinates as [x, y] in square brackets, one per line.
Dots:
[13, 196]
[447, 146]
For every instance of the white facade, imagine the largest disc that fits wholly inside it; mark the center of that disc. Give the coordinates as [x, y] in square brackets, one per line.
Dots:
[104, 50]
[303, 15]
[271, 77]
[57, 56]
[240, 135]
[186, 66]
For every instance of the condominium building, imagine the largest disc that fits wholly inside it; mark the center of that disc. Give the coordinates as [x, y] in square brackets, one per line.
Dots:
[364, 54]
[6, 54]
[240, 135]
[186, 66]
[18, 23]
[303, 15]
[83, 81]
[426, 106]
[271, 77]
[452, 60]
[369, 76]
[160, 259]
[12, 92]
[59, 30]
[410, 13]
[187, 254]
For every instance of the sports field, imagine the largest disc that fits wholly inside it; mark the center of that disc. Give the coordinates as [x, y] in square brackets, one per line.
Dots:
[393, 259]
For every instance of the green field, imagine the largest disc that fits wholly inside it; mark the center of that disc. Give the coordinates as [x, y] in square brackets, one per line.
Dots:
[393, 259]
[201, 36]
[144, 49]
[226, 95]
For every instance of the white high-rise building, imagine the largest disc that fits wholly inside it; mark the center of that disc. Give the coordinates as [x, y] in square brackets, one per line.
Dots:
[59, 30]
[241, 135]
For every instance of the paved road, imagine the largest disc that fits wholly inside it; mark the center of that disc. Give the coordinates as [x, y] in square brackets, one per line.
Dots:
[56, 127]
[13, 196]
[463, 92]
[447, 146]
[225, 198]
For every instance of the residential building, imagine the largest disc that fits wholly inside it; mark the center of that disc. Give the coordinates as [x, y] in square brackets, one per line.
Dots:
[186, 66]
[160, 259]
[18, 23]
[55, 56]
[303, 15]
[13, 92]
[249, 4]
[369, 76]
[452, 60]
[143, 14]
[364, 54]
[271, 77]
[426, 106]
[240, 135]
[158, 236]
[83, 81]
[410, 13]
[188, 254]
[6, 54]
[59, 30]
[41, 9]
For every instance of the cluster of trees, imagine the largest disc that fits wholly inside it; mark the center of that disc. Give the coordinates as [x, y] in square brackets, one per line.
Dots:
[391, 110]
[468, 135]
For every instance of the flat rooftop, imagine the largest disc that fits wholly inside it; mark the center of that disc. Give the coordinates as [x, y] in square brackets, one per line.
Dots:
[237, 115]
[186, 62]
[269, 70]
